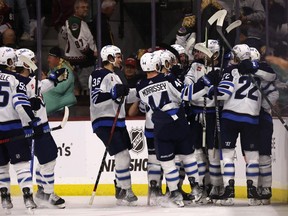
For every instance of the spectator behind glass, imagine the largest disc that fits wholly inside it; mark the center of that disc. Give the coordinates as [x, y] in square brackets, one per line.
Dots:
[107, 9]
[80, 49]
[252, 15]
[23, 17]
[9, 38]
[131, 73]
[63, 93]
[7, 17]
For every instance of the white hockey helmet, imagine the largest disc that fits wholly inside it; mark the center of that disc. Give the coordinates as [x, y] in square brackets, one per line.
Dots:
[108, 50]
[213, 46]
[167, 59]
[242, 52]
[26, 52]
[150, 62]
[255, 55]
[6, 54]
[180, 49]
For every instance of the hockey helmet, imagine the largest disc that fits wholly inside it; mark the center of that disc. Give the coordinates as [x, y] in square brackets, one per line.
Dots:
[242, 52]
[255, 55]
[180, 49]
[167, 59]
[26, 52]
[6, 54]
[109, 50]
[150, 62]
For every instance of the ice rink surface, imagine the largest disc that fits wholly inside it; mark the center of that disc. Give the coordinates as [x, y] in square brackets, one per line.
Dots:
[103, 205]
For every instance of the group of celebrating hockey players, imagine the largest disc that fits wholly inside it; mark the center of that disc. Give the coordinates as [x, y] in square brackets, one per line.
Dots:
[195, 107]
[183, 128]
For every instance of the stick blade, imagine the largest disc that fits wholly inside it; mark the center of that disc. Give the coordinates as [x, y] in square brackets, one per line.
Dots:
[216, 16]
[28, 61]
[233, 25]
[65, 118]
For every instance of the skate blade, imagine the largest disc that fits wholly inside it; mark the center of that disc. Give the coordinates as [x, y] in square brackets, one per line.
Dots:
[166, 203]
[227, 202]
[266, 201]
[254, 202]
[46, 204]
[7, 211]
[120, 202]
[30, 211]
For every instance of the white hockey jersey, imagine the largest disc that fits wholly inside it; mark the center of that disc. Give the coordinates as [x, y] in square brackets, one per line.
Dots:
[242, 99]
[102, 107]
[15, 109]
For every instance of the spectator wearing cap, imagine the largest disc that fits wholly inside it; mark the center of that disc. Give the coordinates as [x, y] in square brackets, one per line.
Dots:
[63, 93]
[131, 74]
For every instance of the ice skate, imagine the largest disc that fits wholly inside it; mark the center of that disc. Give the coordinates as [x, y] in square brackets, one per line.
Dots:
[175, 198]
[197, 191]
[6, 200]
[154, 193]
[117, 189]
[28, 200]
[266, 195]
[40, 193]
[127, 197]
[254, 198]
[215, 193]
[227, 198]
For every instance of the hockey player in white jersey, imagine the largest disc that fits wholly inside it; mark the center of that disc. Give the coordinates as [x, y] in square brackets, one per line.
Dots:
[240, 115]
[16, 115]
[266, 130]
[202, 117]
[45, 146]
[161, 93]
[107, 93]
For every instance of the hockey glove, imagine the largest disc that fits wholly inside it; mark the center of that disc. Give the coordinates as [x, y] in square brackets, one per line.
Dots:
[212, 78]
[58, 75]
[119, 90]
[29, 131]
[248, 67]
[35, 103]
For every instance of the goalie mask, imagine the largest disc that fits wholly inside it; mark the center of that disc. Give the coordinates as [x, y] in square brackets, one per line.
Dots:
[7, 56]
[255, 55]
[109, 51]
[27, 53]
[150, 62]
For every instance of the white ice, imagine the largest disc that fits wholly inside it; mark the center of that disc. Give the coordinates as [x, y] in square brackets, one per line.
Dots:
[103, 205]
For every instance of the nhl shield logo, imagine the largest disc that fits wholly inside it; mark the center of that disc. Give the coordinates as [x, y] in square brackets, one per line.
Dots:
[137, 137]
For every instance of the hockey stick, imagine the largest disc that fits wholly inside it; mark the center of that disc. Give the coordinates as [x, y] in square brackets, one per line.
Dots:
[62, 125]
[215, 17]
[219, 30]
[105, 153]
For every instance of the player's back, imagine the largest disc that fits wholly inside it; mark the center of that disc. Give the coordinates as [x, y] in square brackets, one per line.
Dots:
[8, 92]
[245, 101]
[161, 92]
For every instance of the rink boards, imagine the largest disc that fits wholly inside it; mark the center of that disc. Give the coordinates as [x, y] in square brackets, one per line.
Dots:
[80, 153]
